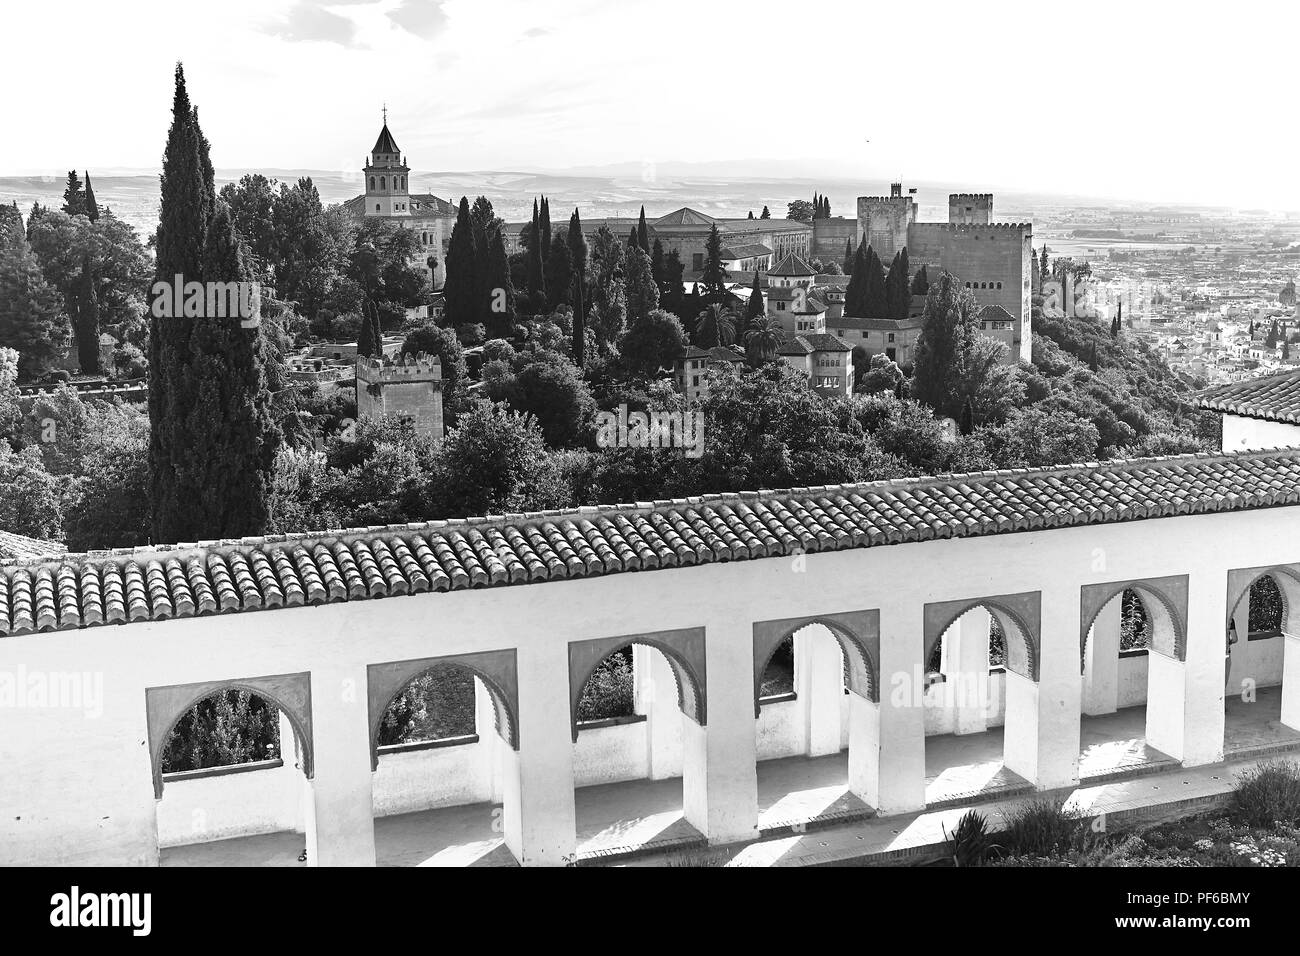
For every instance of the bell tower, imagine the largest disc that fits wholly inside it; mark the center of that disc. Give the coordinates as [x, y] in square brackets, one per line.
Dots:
[386, 173]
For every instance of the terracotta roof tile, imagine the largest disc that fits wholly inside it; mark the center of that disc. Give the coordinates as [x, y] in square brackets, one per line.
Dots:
[1273, 397]
[62, 592]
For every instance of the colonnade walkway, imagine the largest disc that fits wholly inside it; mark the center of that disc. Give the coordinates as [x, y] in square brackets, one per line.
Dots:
[799, 798]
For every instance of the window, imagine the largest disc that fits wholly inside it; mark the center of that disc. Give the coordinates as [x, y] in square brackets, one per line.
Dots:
[372, 183]
[780, 307]
[695, 381]
[697, 261]
[376, 207]
[891, 336]
[382, 183]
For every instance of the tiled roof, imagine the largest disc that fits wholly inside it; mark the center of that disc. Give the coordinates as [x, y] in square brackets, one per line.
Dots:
[994, 313]
[877, 325]
[1273, 397]
[20, 546]
[747, 250]
[291, 570]
[792, 265]
[809, 342]
[685, 216]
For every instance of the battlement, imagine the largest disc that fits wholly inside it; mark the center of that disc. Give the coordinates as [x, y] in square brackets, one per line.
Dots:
[1021, 227]
[886, 199]
[970, 197]
[404, 368]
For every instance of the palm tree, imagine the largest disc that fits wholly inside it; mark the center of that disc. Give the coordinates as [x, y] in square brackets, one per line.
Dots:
[715, 326]
[764, 337]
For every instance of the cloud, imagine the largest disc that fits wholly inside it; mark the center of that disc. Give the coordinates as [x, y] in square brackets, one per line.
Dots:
[537, 32]
[423, 18]
[307, 21]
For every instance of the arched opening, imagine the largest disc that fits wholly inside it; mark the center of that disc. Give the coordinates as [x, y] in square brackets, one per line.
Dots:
[802, 725]
[972, 653]
[231, 771]
[1262, 661]
[631, 701]
[440, 744]
[1136, 621]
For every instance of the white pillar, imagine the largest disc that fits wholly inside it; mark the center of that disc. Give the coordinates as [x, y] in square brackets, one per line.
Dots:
[1291, 681]
[1101, 660]
[491, 746]
[887, 740]
[965, 666]
[340, 825]
[1041, 737]
[655, 695]
[538, 812]
[819, 683]
[1185, 698]
[719, 773]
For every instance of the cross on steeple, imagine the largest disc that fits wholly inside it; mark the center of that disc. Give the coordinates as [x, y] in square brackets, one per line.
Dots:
[385, 113]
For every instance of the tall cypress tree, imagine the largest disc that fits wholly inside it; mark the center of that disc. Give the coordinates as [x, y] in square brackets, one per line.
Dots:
[87, 320]
[855, 296]
[632, 241]
[369, 342]
[212, 439]
[848, 257]
[643, 233]
[463, 289]
[536, 274]
[501, 304]
[657, 262]
[714, 275]
[74, 198]
[877, 303]
[1043, 274]
[753, 310]
[766, 214]
[674, 293]
[559, 273]
[92, 207]
[544, 221]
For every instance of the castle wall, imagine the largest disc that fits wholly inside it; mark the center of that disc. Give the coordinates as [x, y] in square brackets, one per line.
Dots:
[410, 389]
[883, 222]
[829, 236]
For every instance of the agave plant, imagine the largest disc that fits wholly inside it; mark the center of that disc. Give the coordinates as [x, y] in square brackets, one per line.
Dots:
[969, 843]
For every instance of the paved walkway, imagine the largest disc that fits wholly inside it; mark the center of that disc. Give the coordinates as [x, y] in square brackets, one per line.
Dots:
[645, 817]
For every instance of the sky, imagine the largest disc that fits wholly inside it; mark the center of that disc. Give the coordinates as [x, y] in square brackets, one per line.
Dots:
[1141, 100]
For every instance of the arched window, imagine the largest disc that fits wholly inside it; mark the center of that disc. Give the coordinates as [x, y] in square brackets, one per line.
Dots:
[382, 183]
[608, 692]
[376, 207]
[1266, 609]
[436, 705]
[228, 728]
[372, 183]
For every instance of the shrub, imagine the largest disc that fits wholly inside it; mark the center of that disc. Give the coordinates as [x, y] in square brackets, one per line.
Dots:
[969, 843]
[608, 692]
[1269, 793]
[1041, 828]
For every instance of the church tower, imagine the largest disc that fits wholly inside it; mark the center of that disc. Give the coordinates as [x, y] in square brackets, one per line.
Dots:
[387, 193]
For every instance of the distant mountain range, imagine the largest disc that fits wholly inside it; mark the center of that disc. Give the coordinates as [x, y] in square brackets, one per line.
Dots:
[617, 190]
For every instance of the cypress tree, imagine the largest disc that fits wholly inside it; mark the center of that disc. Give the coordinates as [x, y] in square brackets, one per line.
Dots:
[463, 289]
[751, 214]
[657, 262]
[921, 282]
[369, 343]
[232, 439]
[92, 207]
[632, 241]
[674, 293]
[753, 310]
[536, 273]
[766, 214]
[87, 320]
[848, 257]
[74, 198]
[714, 275]
[577, 248]
[545, 220]
[855, 296]
[643, 233]
[498, 275]
[877, 298]
[1043, 274]
[185, 210]
[559, 273]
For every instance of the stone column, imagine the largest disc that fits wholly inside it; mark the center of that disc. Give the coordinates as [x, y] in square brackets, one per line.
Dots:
[1041, 741]
[340, 825]
[1185, 698]
[965, 666]
[655, 695]
[819, 683]
[887, 740]
[538, 813]
[1101, 660]
[719, 773]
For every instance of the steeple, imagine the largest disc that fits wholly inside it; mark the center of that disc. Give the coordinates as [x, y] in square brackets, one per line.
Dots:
[386, 177]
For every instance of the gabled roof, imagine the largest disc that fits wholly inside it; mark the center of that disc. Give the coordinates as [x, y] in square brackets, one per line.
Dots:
[792, 265]
[685, 216]
[878, 325]
[385, 143]
[1272, 397]
[994, 313]
[747, 250]
[253, 574]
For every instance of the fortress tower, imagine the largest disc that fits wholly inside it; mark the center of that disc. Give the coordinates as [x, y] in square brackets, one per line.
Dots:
[883, 221]
[387, 191]
[970, 209]
[409, 387]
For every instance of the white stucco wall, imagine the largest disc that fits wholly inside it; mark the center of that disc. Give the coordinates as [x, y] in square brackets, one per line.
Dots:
[78, 779]
[1244, 434]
